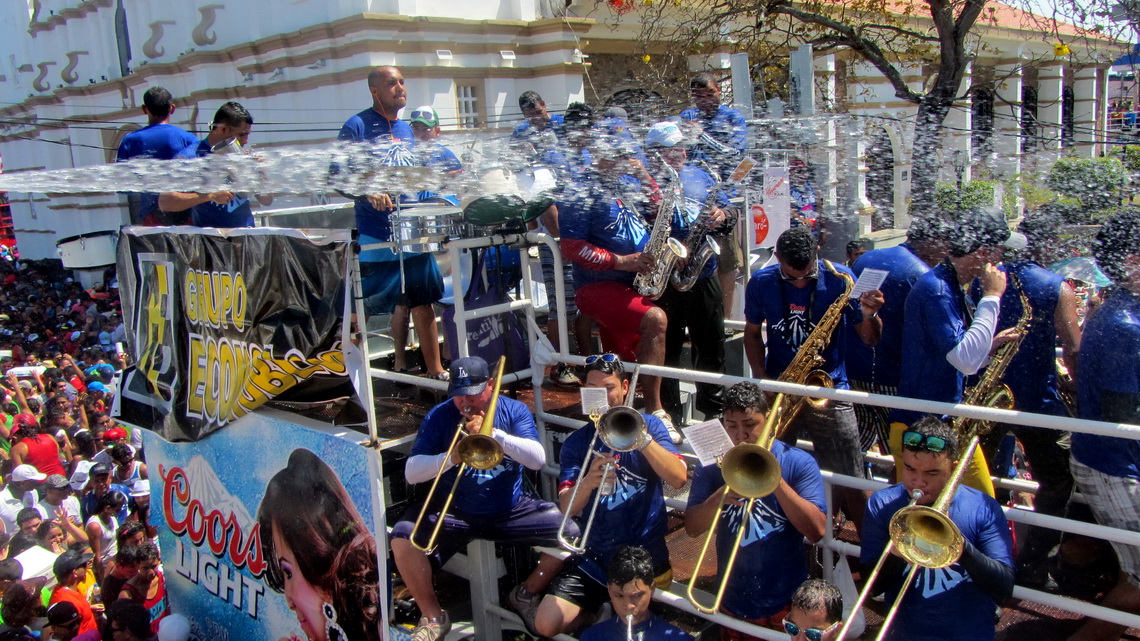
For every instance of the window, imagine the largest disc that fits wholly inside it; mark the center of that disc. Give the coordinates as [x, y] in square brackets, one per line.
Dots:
[983, 122]
[1028, 119]
[468, 102]
[1068, 127]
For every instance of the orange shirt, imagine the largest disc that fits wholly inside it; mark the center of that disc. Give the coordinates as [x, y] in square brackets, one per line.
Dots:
[87, 615]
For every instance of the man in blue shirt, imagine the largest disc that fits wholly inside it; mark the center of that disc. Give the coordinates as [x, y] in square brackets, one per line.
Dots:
[771, 562]
[816, 613]
[946, 337]
[488, 504]
[876, 369]
[631, 587]
[541, 129]
[956, 602]
[220, 208]
[791, 296]
[1107, 469]
[375, 131]
[631, 509]
[159, 140]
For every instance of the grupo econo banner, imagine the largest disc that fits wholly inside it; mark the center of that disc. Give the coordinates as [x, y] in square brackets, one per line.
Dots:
[222, 321]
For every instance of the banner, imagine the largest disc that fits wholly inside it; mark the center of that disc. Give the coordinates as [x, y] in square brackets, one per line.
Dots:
[224, 320]
[277, 545]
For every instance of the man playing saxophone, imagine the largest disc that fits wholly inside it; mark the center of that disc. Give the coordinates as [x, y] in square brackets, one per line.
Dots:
[956, 602]
[604, 235]
[791, 297]
[696, 306]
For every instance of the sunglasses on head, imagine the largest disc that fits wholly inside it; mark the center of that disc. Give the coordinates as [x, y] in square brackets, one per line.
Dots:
[426, 115]
[812, 634]
[605, 362]
[468, 381]
[920, 442]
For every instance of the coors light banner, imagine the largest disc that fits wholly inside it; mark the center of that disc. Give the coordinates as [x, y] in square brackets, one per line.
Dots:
[224, 320]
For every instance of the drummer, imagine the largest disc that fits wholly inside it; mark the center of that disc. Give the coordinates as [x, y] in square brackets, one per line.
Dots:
[393, 286]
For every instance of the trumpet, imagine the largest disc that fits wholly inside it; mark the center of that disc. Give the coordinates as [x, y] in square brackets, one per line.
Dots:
[629, 627]
[622, 429]
[480, 451]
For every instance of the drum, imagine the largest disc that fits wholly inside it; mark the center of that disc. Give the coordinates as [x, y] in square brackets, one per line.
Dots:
[423, 228]
[90, 250]
[539, 185]
[495, 200]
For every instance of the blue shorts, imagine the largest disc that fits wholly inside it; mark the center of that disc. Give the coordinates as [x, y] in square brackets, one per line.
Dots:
[380, 280]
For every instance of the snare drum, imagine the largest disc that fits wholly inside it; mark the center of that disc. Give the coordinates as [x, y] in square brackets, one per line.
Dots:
[423, 228]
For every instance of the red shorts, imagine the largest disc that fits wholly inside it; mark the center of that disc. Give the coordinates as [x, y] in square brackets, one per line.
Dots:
[617, 309]
[774, 622]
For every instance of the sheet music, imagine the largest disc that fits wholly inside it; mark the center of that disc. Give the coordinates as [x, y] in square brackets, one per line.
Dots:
[709, 440]
[594, 400]
[869, 281]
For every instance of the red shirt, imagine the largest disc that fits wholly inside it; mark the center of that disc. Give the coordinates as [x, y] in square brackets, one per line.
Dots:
[87, 615]
[43, 454]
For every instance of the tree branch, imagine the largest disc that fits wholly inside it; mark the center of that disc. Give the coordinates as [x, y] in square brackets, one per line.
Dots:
[905, 32]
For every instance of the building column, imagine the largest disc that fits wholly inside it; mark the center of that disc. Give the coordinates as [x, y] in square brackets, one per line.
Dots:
[1007, 119]
[1050, 88]
[1085, 100]
[957, 135]
[826, 166]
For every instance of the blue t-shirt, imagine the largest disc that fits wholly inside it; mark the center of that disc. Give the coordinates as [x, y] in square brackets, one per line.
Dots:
[726, 127]
[696, 183]
[785, 307]
[652, 629]
[546, 139]
[1032, 373]
[604, 218]
[88, 502]
[771, 563]
[881, 364]
[1109, 363]
[945, 603]
[161, 142]
[236, 213]
[369, 126]
[435, 155]
[482, 492]
[934, 321]
[634, 514]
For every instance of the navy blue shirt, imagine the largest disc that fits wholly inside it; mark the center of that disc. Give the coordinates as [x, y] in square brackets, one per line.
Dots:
[944, 603]
[785, 307]
[370, 126]
[634, 514]
[771, 563]
[604, 218]
[1109, 365]
[88, 502]
[882, 363]
[483, 492]
[651, 629]
[161, 142]
[236, 213]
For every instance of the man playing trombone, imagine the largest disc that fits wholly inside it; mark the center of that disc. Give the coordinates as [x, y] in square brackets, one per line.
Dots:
[957, 601]
[771, 563]
[630, 509]
[488, 504]
[631, 587]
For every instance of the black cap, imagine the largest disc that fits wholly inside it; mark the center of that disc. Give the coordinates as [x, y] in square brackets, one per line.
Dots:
[69, 562]
[99, 469]
[469, 376]
[62, 613]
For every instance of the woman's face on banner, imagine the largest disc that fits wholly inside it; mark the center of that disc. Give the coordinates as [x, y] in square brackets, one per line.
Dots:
[303, 598]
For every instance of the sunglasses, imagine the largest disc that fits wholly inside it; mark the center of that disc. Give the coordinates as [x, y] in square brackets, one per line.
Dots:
[605, 362]
[813, 275]
[425, 115]
[920, 442]
[812, 634]
[467, 381]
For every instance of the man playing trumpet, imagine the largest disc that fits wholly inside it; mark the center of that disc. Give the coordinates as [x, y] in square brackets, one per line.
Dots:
[958, 601]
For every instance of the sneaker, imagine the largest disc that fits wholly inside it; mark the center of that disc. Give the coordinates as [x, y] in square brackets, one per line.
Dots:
[674, 433]
[564, 376]
[525, 605]
[444, 376]
[432, 629]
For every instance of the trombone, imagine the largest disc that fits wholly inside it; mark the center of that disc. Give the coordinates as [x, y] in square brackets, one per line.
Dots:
[480, 451]
[622, 429]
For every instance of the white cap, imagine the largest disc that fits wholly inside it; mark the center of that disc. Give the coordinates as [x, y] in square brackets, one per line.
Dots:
[27, 473]
[140, 487]
[80, 475]
[174, 627]
[664, 134]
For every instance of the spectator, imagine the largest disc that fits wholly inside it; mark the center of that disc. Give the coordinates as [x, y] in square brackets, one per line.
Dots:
[101, 529]
[64, 620]
[18, 494]
[124, 568]
[19, 606]
[148, 586]
[70, 570]
[129, 621]
[100, 484]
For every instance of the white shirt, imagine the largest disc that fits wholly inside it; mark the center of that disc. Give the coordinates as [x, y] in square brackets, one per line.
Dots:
[70, 504]
[10, 506]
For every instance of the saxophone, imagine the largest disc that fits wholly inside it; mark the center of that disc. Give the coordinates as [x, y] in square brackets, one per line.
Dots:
[662, 246]
[699, 244]
[989, 390]
[805, 366]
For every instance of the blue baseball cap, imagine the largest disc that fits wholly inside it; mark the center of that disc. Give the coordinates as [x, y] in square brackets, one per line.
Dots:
[469, 376]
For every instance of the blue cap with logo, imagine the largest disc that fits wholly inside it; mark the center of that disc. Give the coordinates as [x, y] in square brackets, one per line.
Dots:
[469, 376]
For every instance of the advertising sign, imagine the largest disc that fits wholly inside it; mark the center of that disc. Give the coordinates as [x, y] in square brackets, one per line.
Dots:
[267, 531]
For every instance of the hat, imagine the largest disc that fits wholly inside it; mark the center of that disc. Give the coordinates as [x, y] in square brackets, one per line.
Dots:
[20, 595]
[174, 627]
[75, 335]
[69, 562]
[26, 472]
[115, 433]
[96, 386]
[62, 613]
[25, 384]
[1016, 241]
[56, 482]
[141, 487]
[99, 469]
[25, 420]
[664, 134]
[424, 115]
[469, 376]
[80, 475]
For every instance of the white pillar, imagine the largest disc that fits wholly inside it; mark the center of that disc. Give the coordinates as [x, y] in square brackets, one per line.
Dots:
[1050, 86]
[827, 166]
[1007, 119]
[956, 136]
[1085, 111]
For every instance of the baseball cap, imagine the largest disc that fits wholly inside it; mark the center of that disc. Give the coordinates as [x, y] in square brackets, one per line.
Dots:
[140, 487]
[25, 384]
[62, 613]
[113, 434]
[469, 376]
[424, 115]
[96, 386]
[81, 474]
[25, 420]
[174, 627]
[20, 595]
[69, 562]
[27, 473]
[99, 469]
[56, 482]
[664, 134]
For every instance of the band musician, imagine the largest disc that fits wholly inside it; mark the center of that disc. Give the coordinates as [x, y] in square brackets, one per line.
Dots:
[771, 562]
[958, 601]
[631, 587]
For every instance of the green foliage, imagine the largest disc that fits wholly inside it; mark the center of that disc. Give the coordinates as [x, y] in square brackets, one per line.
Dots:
[1129, 155]
[1098, 183]
[974, 194]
